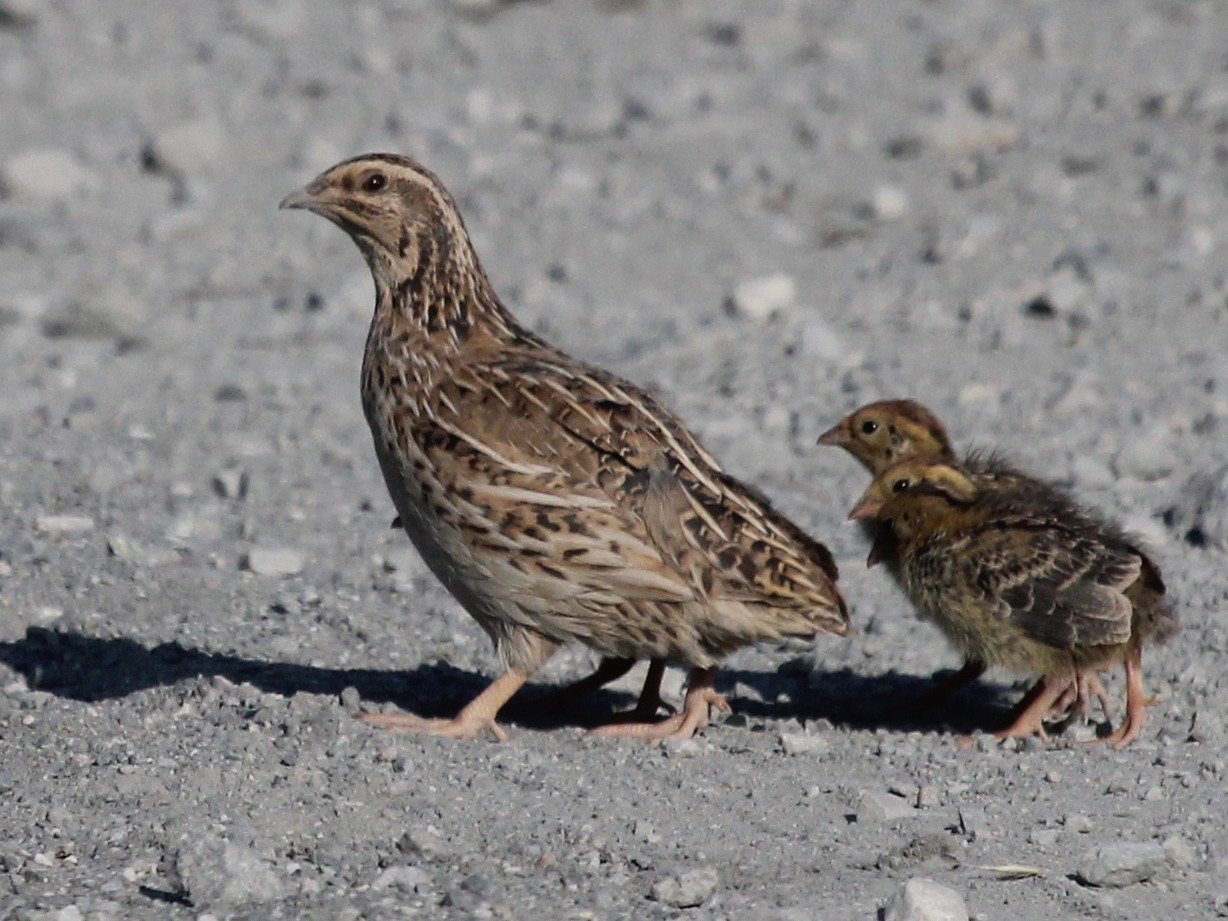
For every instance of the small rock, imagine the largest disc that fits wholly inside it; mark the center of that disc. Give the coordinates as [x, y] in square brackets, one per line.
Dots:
[820, 341]
[922, 899]
[889, 203]
[47, 175]
[69, 913]
[216, 873]
[684, 748]
[760, 299]
[57, 525]
[1044, 837]
[801, 743]
[425, 842]
[1115, 864]
[1078, 822]
[882, 807]
[1180, 853]
[927, 796]
[274, 561]
[686, 890]
[973, 821]
[189, 146]
[1148, 455]
[407, 879]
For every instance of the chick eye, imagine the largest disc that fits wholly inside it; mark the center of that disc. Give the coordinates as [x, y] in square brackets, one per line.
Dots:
[375, 182]
[869, 427]
[900, 485]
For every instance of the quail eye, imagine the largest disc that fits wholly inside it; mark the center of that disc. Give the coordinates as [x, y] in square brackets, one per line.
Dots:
[375, 182]
[900, 485]
[869, 427]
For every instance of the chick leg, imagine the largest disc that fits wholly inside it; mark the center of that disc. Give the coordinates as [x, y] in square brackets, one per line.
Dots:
[478, 715]
[1136, 702]
[1036, 704]
[942, 688]
[701, 696]
[611, 669]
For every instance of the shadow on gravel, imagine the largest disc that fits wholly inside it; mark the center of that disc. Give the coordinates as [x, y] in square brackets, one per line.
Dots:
[80, 667]
[846, 698]
[88, 668]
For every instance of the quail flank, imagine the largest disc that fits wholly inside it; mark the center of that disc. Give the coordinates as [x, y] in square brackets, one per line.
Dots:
[555, 501]
[1011, 582]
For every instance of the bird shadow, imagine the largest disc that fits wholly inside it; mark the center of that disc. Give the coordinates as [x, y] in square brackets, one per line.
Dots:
[76, 666]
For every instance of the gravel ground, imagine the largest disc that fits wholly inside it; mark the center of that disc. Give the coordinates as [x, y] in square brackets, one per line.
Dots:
[770, 213]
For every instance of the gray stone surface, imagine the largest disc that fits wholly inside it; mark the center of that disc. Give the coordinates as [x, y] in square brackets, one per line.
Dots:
[922, 899]
[1013, 210]
[1116, 864]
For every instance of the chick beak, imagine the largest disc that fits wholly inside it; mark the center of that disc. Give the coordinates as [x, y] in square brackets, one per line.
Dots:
[309, 198]
[866, 508]
[833, 436]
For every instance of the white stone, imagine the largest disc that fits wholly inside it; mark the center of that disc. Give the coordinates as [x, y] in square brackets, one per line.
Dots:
[760, 299]
[216, 873]
[686, 890]
[190, 147]
[882, 807]
[1148, 455]
[63, 524]
[47, 174]
[889, 203]
[407, 879]
[802, 743]
[1116, 864]
[274, 561]
[922, 899]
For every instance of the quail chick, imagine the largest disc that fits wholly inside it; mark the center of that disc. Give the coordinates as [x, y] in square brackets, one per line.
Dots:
[555, 501]
[886, 432]
[1010, 583]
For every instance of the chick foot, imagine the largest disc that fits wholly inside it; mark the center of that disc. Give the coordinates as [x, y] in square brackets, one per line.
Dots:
[478, 715]
[696, 712]
[1036, 705]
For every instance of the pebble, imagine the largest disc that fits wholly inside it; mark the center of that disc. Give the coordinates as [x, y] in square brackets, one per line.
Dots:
[274, 561]
[922, 899]
[802, 743]
[220, 874]
[57, 525]
[69, 913]
[1180, 853]
[1077, 822]
[889, 203]
[686, 890]
[973, 821]
[190, 146]
[407, 879]
[1148, 455]
[1116, 864]
[882, 807]
[47, 175]
[760, 299]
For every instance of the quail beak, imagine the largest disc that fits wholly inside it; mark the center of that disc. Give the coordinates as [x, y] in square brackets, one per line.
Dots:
[833, 436]
[866, 508]
[313, 197]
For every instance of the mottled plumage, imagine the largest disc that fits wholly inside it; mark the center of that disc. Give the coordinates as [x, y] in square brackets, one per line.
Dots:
[556, 501]
[885, 432]
[1020, 584]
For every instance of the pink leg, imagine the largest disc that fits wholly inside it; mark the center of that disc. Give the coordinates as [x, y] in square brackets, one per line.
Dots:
[696, 710]
[1136, 702]
[477, 716]
[1036, 704]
